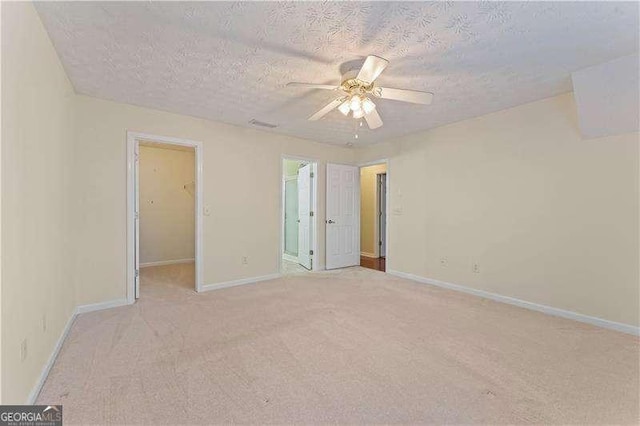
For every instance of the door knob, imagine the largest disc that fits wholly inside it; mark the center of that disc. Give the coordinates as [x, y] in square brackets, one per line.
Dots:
[330, 221]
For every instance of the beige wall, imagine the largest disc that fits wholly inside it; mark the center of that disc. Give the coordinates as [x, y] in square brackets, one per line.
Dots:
[242, 181]
[369, 208]
[37, 162]
[167, 209]
[550, 217]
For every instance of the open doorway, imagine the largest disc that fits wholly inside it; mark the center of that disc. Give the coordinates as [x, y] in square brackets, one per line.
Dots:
[298, 215]
[164, 215]
[373, 216]
[166, 193]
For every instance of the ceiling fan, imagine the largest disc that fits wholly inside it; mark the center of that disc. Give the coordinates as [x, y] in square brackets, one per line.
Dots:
[357, 86]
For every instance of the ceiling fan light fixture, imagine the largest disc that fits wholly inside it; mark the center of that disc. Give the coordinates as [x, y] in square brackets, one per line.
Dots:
[359, 113]
[368, 105]
[344, 107]
[356, 103]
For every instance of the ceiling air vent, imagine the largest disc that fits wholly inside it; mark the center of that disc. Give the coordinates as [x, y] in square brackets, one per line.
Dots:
[262, 124]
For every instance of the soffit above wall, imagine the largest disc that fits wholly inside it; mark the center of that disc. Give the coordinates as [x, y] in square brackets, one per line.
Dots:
[608, 97]
[230, 62]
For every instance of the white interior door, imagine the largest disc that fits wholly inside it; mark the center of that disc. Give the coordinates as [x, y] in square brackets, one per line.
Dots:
[304, 216]
[343, 216]
[291, 217]
[382, 206]
[136, 222]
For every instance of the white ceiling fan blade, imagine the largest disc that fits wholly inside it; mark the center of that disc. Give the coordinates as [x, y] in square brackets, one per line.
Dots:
[312, 86]
[373, 119]
[327, 109]
[413, 96]
[372, 68]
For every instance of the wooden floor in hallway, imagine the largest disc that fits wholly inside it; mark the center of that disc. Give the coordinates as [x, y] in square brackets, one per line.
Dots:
[379, 264]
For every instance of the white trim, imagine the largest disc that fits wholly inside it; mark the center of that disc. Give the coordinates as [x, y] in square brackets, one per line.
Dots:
[83, 309]
[314, 207]
[371, 255]
[612, 325]
[241, 281]
[378, 238]
[35, 391]
[289, 257]
[167, 262]
[133, 138]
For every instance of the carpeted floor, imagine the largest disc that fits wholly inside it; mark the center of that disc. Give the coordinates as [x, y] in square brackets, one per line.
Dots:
[354, 346]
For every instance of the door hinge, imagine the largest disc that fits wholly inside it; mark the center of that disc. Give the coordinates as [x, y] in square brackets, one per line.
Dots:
[137, 215]
[379, 243]
[137, 273]
[310, 252]
[311, 214]
[311, 175]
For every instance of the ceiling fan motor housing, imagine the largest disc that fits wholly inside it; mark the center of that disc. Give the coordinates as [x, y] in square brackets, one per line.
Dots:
[351, 84]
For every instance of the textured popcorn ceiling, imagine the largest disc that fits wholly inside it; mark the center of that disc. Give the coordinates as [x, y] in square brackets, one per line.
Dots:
[230, 62]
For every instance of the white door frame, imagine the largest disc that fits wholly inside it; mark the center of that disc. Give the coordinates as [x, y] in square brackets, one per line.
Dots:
[133, 139]
[384, 161]
[314, 207]
[379, 221]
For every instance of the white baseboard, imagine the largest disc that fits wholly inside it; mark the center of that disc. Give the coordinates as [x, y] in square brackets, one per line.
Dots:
[365, 254]
[83, 309]
[33, 395]
[242, 281]
[290, 258]
[612, 325]
[166, 262]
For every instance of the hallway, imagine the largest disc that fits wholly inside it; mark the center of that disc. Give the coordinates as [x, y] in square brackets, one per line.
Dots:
[379, 264]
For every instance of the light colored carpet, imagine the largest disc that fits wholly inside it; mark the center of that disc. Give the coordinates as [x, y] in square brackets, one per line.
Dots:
[355, 346]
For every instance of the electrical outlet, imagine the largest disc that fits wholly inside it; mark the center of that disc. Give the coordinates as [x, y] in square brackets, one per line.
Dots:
[245, 260]
[476, 268]
[444, 262]
[23, 350]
